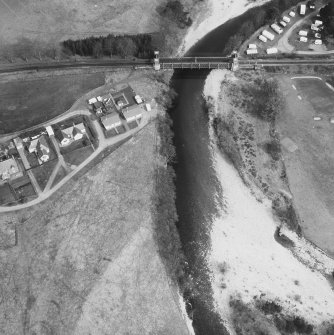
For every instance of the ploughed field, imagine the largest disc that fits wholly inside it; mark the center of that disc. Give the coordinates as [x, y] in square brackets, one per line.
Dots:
[26, 103]
[310, 166]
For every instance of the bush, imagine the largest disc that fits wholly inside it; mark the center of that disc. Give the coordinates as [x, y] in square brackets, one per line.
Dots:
[174, 11]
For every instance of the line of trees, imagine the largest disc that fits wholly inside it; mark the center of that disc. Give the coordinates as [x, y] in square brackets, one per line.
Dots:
[140, 46]
[327, 15]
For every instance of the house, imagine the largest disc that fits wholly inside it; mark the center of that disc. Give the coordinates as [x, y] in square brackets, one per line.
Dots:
[43, 150]
[73, 133]
[98, 107]
[110, 121]
[9, 169]
[132, 114]
[40, 147]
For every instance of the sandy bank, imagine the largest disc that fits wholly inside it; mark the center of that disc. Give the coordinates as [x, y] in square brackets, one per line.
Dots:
[218, 12]
[255, 265]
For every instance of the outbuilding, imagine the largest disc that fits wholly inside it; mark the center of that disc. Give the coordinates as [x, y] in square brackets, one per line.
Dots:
[132, 114]
[110, 121]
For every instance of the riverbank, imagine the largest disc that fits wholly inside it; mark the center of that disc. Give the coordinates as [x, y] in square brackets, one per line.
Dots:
[215, 14]
[251, 270]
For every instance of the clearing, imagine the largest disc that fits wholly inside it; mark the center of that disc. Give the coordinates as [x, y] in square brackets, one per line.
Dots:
[310, 168]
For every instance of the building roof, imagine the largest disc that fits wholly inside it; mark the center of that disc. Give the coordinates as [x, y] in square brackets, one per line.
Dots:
[127, 94]
[132, 112]
[70, 132]
[110, 119]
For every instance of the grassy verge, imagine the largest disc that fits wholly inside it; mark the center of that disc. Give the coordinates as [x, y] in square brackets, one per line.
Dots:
[246, 133]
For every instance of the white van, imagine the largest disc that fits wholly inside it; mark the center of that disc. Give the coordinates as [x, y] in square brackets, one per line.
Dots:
[271, 51]
[251, 51]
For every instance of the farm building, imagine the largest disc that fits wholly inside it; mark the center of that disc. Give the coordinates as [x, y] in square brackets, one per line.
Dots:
[9, 169]
[110, 121]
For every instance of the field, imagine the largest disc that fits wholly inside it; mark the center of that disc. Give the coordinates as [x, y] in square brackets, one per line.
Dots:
[26, 103]
[310, 167]
[55, 21]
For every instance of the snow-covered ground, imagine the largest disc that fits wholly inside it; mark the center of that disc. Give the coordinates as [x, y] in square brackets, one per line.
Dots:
[218, 12]
[243, 241]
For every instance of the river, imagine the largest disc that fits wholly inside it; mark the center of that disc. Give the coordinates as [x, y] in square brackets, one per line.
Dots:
[197, 185]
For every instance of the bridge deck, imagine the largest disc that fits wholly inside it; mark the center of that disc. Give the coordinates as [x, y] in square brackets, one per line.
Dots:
[193, 65]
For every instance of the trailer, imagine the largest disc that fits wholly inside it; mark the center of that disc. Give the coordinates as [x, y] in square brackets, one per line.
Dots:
[271, 51]
[262, 38]
[302, 9]
[302, 33]
[251, 51]
[268, 35]
[252, 46]
[276, 28]
[286, 19]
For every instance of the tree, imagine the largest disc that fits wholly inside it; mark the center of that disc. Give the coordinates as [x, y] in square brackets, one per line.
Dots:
[97, 49]
[126, 47]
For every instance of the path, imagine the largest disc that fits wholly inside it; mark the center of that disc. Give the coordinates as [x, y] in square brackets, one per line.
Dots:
[283, 44]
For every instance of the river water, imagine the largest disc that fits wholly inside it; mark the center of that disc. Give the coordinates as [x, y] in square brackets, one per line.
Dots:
[197, 185]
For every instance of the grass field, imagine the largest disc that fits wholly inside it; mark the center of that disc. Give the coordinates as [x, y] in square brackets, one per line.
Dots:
[310, 168]
[26, 103]
[86, 261]
[6, 194]
[55, 21]
[76, 157]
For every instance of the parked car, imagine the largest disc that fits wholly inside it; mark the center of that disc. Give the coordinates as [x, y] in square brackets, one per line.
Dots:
[317, 35]
[282, 23]
[318, 42]
[292, 14]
